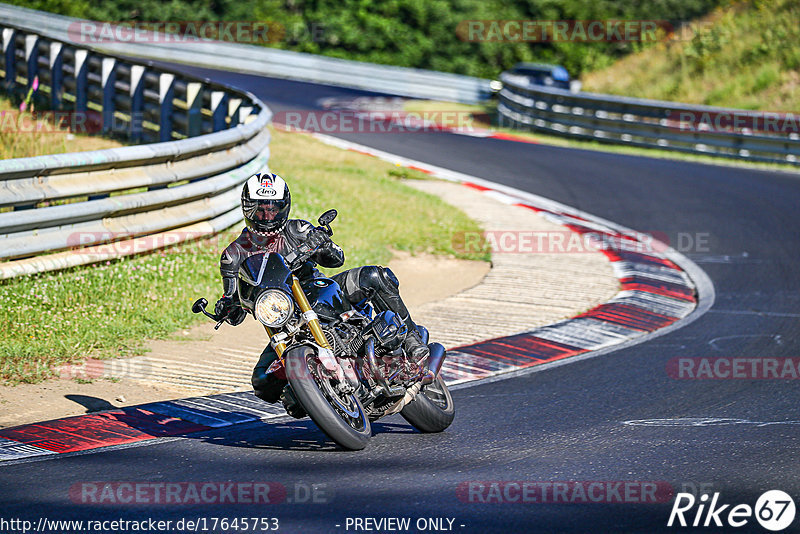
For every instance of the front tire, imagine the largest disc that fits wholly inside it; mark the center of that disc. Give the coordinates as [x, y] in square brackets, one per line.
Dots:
[432, 410]
[341, 418]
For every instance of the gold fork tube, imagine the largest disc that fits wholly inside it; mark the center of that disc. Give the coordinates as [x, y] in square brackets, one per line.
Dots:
[280, 347]
[313, 324]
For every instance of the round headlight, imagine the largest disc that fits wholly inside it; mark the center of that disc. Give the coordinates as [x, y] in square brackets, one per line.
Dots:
[273, 308]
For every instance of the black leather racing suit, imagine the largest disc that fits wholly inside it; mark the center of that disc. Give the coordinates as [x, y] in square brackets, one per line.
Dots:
[379, 284]
[285, 242]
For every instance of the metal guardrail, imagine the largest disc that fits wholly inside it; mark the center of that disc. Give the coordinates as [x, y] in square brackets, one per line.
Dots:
[639, 122]
[264, 61]
[210, 139]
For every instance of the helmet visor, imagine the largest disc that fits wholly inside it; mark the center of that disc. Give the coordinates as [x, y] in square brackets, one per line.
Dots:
[265, 214]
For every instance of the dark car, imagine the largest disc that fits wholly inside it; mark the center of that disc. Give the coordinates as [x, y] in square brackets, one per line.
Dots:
[545, 74]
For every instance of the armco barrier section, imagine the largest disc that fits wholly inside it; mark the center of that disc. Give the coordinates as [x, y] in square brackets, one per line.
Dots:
[207, 139]
[650, 123]
[265, 61]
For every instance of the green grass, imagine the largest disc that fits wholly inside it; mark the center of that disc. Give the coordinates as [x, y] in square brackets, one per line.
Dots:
[111, 309]
[745, 55]
[376, 211]
[25, 144]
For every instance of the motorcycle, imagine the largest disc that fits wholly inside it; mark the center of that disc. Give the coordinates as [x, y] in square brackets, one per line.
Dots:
[344, 364]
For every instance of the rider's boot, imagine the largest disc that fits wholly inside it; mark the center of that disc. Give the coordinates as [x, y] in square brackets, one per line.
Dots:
[414, 347]
[290, 403]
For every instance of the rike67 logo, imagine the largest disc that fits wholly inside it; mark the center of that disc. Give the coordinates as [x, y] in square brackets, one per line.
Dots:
[774, 510]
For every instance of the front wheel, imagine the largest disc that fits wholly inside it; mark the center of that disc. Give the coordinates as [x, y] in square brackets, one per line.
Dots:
[432, 410]
[341, 417]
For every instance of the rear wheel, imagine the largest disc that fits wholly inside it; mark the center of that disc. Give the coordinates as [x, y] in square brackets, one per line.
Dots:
[340, 416]
[432, 410]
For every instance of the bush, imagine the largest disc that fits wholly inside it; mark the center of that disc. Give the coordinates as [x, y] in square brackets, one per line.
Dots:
[409, 33]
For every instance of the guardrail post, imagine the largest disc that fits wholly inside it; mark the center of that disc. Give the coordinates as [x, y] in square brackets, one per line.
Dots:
[107, 80]
[244, 113]
[166, 92]
[234, 107]
[194, 103]
[56, 74]
[81, 79]
[137, 103]
[9, 52]
[218, 110]
[32, 57]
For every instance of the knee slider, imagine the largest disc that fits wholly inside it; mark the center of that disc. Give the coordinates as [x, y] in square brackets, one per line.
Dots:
[390, 277]
[259, 378]
[380, 279]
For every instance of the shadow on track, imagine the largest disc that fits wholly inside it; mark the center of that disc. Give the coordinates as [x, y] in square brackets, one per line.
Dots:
[92, 404]
[294, 435]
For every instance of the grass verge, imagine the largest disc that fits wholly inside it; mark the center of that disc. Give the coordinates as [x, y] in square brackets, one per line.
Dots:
[109, 310]
[22, 137]
[744, 55]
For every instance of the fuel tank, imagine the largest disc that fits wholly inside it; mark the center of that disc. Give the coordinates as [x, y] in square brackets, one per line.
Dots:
[326, 298]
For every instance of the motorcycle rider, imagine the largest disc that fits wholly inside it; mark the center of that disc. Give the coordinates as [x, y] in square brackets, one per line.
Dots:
[266, 203]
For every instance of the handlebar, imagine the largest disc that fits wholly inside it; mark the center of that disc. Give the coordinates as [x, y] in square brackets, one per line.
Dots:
[199, 306]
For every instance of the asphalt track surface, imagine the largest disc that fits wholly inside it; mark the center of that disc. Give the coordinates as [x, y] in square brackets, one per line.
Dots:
[563, 424]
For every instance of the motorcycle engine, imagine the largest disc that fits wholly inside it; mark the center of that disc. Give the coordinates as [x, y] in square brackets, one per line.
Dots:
[389, 330]
[344, 339]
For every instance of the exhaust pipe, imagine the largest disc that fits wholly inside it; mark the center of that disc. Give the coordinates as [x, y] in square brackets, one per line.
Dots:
[432, 367]
[388, 390]
[434, 363]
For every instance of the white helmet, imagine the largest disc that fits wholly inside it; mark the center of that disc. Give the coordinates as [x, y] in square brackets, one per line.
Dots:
[266, 203]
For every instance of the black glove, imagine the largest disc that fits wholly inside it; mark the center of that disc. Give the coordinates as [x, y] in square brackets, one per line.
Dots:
[228, 308]
[223, 307]
[316, 238]
[236, 316]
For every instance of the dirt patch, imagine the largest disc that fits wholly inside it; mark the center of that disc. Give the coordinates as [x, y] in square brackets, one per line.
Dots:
[29, 403]
[426, 278]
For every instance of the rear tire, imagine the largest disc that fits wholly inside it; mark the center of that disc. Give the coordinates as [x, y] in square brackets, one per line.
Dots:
[432, 410]
[341, 418]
